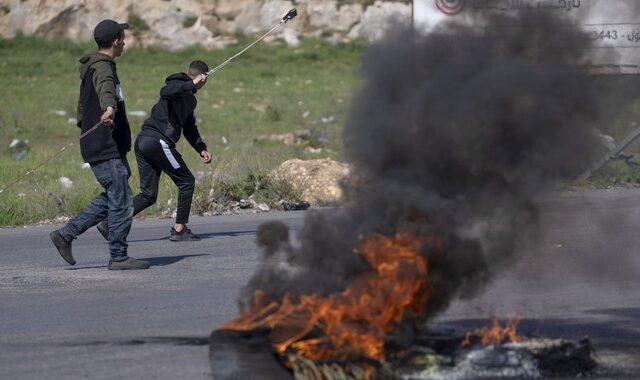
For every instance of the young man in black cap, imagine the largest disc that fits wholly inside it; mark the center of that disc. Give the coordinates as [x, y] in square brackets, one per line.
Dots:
[101, 101]
[156, 152]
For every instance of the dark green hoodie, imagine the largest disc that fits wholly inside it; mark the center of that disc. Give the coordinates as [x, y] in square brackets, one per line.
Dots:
[100, 88]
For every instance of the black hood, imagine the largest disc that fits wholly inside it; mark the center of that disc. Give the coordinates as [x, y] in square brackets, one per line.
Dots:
[181, 77]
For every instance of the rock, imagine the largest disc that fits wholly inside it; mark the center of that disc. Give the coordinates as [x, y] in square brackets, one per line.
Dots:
[234, 14]
[290, 138]
[14, 143]
[62, 219]
[263, 207]
[58, 18]
[174, 25]
[17, 143]
[177, 24]
[329, 119]
[294, 206]
[378, 18]
[290, 36]
[230, 10]
[326, 15]
[257, 17]
[312, 150]
[65, 182]
[245, 204]
[318, 181]
[272, 12]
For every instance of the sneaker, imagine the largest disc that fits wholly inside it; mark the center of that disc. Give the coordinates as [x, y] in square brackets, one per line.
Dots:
[64, 247]
[184, 235]
[129, 263]
[103, 228]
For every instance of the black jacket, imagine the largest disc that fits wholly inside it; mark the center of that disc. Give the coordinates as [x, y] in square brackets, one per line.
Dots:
[100, 88]
[173, 113]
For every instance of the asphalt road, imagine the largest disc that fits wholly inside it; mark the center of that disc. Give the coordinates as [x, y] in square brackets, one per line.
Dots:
[580, 277]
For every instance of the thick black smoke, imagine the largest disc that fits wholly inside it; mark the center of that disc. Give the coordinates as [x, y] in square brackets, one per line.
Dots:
[455, 133]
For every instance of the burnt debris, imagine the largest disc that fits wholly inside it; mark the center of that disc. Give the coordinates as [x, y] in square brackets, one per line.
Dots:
[452, 137]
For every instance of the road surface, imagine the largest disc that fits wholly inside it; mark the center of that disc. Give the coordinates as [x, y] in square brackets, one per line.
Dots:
[580, 277]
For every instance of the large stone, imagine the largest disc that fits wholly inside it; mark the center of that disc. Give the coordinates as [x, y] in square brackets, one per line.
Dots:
[259, 17]
[229, 10]
[243, 19]
[318, 181]
[176, 24]
[326, 15]
[72, 19]
[379, 18]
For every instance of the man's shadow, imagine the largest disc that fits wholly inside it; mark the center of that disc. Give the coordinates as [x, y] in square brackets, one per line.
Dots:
[202, 235]
[159, 261]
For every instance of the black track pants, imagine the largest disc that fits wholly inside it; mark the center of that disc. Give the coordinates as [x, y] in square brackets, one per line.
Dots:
[155, 156]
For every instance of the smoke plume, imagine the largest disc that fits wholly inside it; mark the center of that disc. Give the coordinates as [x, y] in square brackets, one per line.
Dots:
[455, 133]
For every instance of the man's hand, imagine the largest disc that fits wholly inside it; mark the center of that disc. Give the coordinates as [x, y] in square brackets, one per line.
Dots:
[107, 116]
[202, 78]
[207, 156]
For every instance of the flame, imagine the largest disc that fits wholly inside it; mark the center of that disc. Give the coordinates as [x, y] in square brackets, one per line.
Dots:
[350, 324]
[496, 334]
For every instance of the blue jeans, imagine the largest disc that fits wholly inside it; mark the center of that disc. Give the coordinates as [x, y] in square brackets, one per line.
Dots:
[115, 204]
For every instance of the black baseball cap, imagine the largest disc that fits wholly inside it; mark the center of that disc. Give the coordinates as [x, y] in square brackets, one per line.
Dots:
[108, 30]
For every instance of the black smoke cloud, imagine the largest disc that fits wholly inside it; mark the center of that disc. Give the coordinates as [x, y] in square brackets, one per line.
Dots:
[455, 133]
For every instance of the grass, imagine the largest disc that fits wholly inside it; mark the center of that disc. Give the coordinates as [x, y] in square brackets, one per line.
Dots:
[269, 89]
[620, 115]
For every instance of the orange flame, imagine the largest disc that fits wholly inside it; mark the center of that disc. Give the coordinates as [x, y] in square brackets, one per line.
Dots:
[350, 324]
[496, 334]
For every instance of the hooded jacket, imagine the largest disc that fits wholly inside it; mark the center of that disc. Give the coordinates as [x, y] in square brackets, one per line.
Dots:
[100, 88]
[173, 114]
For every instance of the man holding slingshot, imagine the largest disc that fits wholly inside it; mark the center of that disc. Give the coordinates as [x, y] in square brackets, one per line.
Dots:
[155, 147]
[107, 139]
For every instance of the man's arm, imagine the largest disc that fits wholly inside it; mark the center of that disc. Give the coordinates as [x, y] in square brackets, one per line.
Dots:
[105, 84]
[175, 88]
[191, 133]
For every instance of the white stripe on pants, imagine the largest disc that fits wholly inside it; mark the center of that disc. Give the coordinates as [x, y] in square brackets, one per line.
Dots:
[167, 152]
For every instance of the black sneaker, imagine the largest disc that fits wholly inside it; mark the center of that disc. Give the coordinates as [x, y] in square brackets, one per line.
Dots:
[184, 235]
[103, 228]
[129, 264]
[64, 247]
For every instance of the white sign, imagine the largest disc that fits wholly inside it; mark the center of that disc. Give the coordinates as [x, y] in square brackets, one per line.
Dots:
[613, 26]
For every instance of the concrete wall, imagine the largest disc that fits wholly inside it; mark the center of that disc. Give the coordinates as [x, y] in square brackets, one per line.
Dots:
[613, 26]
